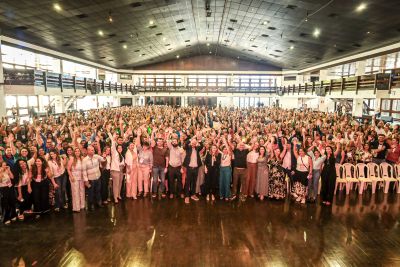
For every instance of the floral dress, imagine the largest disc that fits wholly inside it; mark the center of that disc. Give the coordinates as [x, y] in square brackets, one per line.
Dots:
[276, 182]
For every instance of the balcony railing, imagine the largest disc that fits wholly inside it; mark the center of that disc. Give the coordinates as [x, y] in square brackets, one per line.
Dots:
[50, 80]
[380, 81]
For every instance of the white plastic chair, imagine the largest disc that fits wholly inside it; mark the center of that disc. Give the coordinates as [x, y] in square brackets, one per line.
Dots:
[397, 175]
[350, 176]
[388, 176]
[340, 180]
[374, 175]
[362, 178]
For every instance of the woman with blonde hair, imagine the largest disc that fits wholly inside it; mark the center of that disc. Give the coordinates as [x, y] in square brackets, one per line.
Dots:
[77, 182]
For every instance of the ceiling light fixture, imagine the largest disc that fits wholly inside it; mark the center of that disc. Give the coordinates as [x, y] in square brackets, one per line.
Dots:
[210, 52]
[208, 44]
[110, 19]
[177, 56]
[361, 7]
[317, 32]
[164, 39]
[264, 23]
[57, 7]
[252, 39]
[101, 33]
[151, 22]
[125, 46]
[291, 47]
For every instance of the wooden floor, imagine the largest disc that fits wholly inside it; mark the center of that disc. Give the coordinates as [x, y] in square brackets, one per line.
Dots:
[356, 231]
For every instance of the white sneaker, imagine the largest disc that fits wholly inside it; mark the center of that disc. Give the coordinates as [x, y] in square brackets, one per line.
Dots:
[212, 198]
[195, 198]
[208, 197]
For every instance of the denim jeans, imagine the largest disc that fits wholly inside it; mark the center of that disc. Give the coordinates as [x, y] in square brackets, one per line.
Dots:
[313, 184]
[60, 192]
[94, 192]
[225, 176]
[158, 173]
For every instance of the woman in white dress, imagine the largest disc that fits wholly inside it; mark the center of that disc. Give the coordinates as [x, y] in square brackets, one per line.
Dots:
[77, 182]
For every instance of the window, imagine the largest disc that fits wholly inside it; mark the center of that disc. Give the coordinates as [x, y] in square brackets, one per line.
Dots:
[124, 76]
[393, 61]
[391, 107]
[202, 81]
[373, 65]
[75, 69]
[344, 70]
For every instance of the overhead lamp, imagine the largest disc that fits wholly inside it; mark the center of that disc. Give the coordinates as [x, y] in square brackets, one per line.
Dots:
[177, 56]
[264, 22]
[252, 39]
[125, 46]
[57, 7]
[361, 7]
[101, 33]
[316, 32]
[151, 22]
[210, 52]
[110, 19]
[208, 44]
[291, 47]
[164, 38]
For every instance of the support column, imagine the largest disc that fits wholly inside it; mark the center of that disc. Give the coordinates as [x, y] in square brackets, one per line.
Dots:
[323, 75]
[59, 104]
[184, 101]
[2, 93]
[360, 67]
[357, 107]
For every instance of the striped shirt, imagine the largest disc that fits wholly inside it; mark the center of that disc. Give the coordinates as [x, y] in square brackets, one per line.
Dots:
[91, 167]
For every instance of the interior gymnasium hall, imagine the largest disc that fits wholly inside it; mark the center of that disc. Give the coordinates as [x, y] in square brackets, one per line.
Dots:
[199, 133]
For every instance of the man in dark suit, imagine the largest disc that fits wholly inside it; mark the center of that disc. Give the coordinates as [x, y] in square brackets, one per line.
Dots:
[192, 162]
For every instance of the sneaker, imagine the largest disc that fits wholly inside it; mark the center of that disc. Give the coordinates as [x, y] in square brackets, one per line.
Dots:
[182, 196]
[135, 198]
[226, 199]
[212, 198]
[221, 198]
[233, 197]
[57, 209]
[154, 195]
[208, 197]
[7, 222]
[195, 198]
[261, 198]
[163, 195]
[187, 201]
[65, 206]
[171, 196]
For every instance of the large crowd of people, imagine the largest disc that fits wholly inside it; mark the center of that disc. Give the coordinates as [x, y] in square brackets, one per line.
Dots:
[83, 161]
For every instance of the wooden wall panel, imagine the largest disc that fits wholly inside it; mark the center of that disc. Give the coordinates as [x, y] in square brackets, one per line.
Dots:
[209, 63]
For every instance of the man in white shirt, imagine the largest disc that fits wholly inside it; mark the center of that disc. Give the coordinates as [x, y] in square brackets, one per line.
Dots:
[91, 175]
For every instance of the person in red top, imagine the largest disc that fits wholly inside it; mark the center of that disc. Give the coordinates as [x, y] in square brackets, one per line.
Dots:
[393, 154]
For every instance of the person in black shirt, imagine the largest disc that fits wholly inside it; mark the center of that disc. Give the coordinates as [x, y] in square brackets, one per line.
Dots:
[240, 169]
[380, 148]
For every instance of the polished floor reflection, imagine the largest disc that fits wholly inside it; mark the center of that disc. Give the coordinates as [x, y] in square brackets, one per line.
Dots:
[356, 231]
